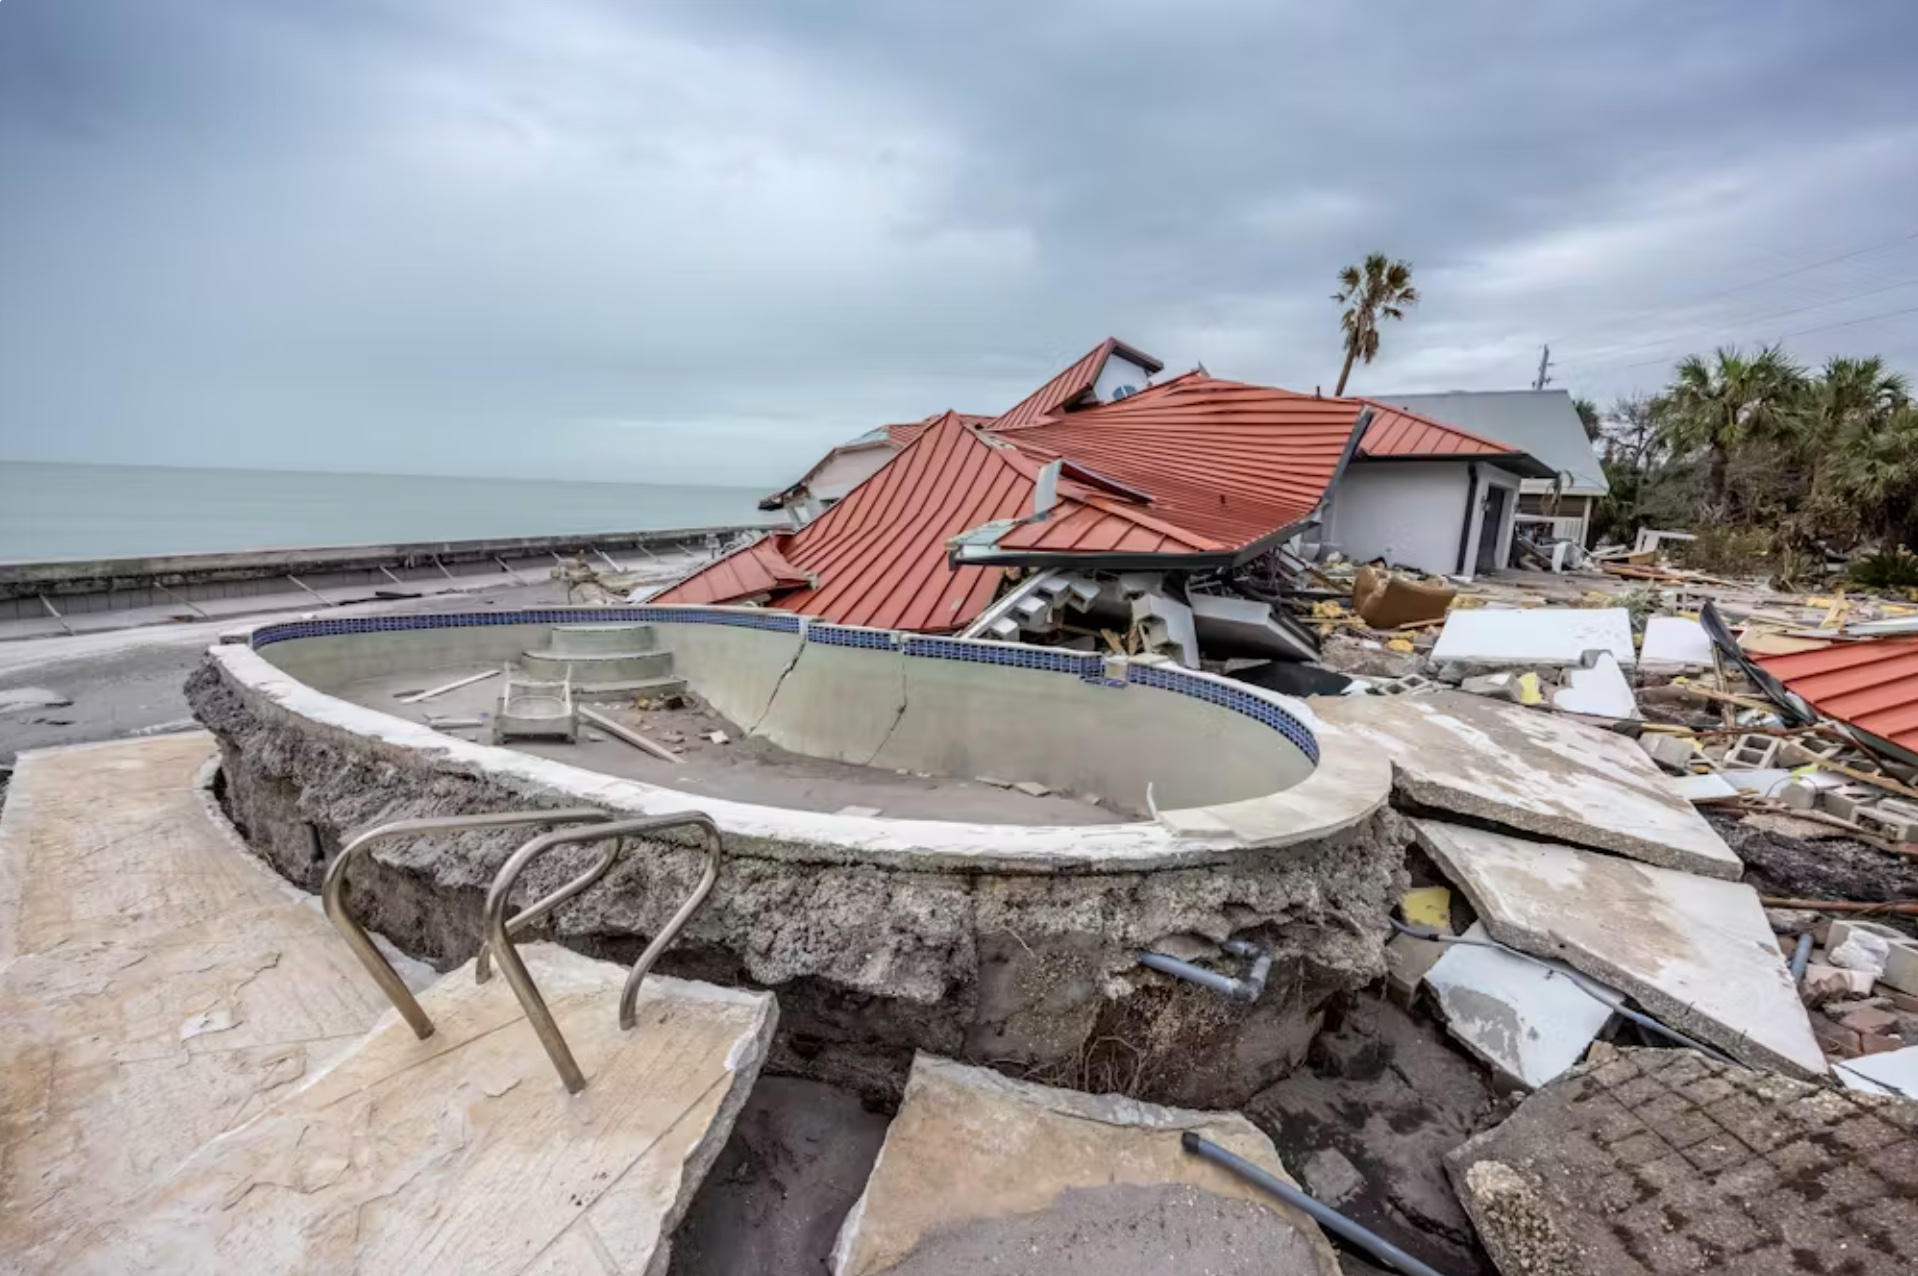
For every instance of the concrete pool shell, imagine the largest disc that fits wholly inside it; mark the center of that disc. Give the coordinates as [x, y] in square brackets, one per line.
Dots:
[993, 941]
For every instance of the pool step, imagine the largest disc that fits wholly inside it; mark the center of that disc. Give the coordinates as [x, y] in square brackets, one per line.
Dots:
[601, 640]
[637, 671]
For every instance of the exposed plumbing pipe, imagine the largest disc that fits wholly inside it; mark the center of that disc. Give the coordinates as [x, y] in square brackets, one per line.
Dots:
[1327, 1217]
[1642, 1020]
[1247, 989]
[1801, 959]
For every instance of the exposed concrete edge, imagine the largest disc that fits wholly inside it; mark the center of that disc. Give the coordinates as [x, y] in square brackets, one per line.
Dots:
[1348, 784]
[1659, 1004]
[778, 832]
[1448, 801]
[748, 1057]
[1136, 1114]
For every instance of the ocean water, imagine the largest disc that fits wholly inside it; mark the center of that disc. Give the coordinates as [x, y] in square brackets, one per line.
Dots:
[114, 511]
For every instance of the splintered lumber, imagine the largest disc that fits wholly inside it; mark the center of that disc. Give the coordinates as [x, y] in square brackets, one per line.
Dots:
[626, 733]
[468, 681]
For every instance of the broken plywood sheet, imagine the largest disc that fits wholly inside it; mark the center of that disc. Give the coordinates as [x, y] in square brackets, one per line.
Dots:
[1697, 954]
[462, 1153]
[1664, 1161]
[1541, 636]
[972, 1152]
[1525, 1021]
[1534, 772]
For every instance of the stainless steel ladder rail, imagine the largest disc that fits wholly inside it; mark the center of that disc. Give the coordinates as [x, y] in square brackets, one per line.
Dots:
[333, 892]
[499, 930]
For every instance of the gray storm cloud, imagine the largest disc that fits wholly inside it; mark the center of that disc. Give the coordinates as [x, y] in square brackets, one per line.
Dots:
[701, 242]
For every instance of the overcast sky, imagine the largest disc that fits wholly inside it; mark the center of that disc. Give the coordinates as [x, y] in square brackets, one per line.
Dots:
[703, 241]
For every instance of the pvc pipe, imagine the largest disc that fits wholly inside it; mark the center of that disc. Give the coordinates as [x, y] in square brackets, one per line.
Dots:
[1801, 959]
[1192, 974]
[1327, 1217]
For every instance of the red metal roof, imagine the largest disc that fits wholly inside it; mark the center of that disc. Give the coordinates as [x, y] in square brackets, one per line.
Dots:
[1395, 432]
[1871, 685]
[1072, 384]
[900, 435]
[880, 553]
[1226, 464]
[758, 569]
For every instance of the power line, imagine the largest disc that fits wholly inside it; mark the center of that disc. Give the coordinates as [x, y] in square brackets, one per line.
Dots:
[1764, 279]
[1601, 360]
[1800, 332]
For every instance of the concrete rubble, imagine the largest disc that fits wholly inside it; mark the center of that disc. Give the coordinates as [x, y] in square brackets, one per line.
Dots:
[1529, 1021]
[1663, 1161]
[979, 1171]
[1536, 773]
[1695, 952]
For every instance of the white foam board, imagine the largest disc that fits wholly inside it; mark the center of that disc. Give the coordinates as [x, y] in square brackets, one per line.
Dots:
[1545, 636]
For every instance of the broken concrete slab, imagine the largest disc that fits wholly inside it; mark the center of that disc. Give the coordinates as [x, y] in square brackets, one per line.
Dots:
[1526, 1022]
[1664, 1161]
[1535, 772]
[1893, 1072]
[1697, 954]
[1602, 691]
[1542, 636]
[1675, 642]
[976, 1155]
[160, 985]
[462, 1153]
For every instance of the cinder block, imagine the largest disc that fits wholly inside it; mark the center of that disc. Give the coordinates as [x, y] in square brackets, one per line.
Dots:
[1890, 827]
[1797, 795]
[1845, 801]
[1899, 807]
[1797, 753]
[1674, 751]
[1752, 753]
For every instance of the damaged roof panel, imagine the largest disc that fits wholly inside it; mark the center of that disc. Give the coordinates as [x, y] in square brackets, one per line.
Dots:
[756, 570]
[879, 555]
[1072, 384]
[1869, 685]
[1225, 463]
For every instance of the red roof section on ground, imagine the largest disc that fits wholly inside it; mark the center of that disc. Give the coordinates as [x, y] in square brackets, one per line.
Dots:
[1871, 685]
[1226, 464]
[1072, 384]
[756, 570]
[1399, 434]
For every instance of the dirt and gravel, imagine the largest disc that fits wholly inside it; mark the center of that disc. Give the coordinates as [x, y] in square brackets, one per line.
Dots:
[1122, 1231]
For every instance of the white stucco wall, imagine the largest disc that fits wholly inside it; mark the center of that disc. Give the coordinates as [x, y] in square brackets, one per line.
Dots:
[1119, 372]
[1409, 513]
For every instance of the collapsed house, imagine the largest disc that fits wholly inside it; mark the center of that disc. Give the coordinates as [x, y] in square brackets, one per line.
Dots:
[1171, 517]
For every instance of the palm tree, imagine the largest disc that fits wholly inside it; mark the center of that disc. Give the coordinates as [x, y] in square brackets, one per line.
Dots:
[1589, 418]
[1876, 473]
[1381, 289]
[1713, 407]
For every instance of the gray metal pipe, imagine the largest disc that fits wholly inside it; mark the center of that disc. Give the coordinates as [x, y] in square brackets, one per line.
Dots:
[1327, 1217]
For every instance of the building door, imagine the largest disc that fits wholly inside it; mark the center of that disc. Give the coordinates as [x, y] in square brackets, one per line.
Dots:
[1491, 521]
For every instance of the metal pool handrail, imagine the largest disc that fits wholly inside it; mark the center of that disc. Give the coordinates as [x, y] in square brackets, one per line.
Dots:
[333, 892]
[499, 930]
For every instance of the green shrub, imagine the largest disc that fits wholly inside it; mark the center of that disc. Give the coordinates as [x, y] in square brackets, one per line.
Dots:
[1894, 567]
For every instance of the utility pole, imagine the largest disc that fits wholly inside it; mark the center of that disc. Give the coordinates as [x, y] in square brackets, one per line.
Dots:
[1544, 362]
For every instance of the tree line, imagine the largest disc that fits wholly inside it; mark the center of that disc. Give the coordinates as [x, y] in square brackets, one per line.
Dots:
[1816, 459]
